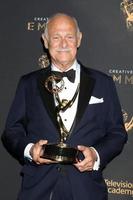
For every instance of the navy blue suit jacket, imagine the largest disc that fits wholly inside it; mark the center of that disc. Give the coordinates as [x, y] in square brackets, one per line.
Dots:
[33, 117]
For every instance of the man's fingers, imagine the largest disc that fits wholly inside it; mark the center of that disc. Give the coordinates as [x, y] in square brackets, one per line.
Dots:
[81, 148]
[45, 161]
[42, 142]
[88, 162]
[85, 164]
[84, 168]
[36, 150]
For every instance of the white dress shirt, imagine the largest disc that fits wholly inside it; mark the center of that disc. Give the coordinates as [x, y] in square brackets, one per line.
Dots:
[67, 93]
[67, 116]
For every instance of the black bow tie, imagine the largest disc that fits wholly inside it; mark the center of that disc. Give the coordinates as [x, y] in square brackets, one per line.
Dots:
[69, 74]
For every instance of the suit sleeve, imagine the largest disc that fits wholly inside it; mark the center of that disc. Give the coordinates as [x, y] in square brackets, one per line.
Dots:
[15, 137]
[112, 144]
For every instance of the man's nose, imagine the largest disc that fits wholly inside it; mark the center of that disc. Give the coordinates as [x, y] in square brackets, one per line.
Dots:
[63, 43]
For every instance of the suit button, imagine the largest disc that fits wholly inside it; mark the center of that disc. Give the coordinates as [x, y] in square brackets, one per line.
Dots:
[62, 170]
[58, 169]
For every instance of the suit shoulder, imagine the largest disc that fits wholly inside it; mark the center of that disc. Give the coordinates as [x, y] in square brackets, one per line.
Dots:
[33, 75]
[97, 74]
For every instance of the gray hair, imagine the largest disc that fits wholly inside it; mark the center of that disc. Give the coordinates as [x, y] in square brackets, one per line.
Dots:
[60, 14]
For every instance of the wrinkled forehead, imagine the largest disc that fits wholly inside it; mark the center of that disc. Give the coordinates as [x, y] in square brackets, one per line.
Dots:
[61, 22]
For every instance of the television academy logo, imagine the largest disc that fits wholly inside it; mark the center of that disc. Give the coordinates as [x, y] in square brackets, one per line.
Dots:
[43, 60]
[127, 121]
[127, 9]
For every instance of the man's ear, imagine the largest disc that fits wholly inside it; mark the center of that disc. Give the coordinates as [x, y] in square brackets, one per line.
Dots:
[79, 39]
[45, 40]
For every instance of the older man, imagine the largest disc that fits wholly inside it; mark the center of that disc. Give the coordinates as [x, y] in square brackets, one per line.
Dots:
[93, 121]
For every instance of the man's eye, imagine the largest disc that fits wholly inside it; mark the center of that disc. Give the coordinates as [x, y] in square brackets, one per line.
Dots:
[56, 38]
[70, 37]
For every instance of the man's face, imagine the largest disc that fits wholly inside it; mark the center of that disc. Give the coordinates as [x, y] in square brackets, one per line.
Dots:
[62, 41]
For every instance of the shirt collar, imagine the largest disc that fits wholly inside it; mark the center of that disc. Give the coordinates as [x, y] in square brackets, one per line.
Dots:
[74, 67]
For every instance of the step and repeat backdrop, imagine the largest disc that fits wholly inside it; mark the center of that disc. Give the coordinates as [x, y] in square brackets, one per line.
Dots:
[107, 45]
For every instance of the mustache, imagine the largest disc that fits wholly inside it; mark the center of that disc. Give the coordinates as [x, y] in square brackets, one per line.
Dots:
[63, 49]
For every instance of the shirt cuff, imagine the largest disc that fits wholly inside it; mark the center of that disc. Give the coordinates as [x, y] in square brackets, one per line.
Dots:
[97, 162]
[27, 151]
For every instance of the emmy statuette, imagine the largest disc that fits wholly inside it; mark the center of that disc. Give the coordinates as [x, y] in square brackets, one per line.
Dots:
[60, 152]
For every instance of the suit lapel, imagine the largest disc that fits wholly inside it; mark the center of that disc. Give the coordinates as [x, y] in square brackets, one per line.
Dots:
[86, 87]
[47, 97]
